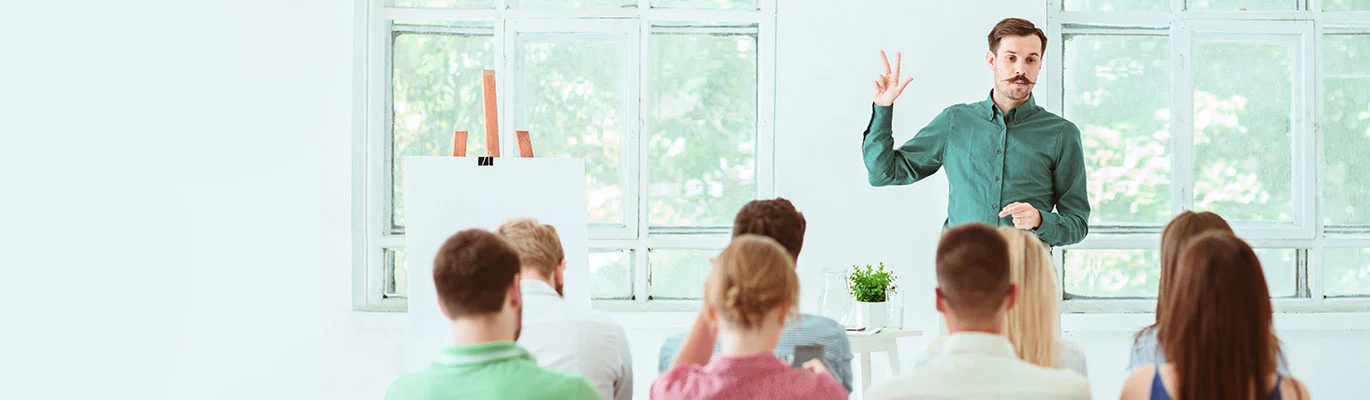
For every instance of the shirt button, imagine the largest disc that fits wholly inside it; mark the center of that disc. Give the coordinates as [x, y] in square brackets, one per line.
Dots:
[1000, 151]
[996, 179]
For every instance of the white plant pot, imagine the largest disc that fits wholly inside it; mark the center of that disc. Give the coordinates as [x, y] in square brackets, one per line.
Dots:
[872, 315]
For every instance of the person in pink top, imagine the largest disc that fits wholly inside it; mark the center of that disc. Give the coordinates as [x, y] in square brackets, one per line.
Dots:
[751, 291]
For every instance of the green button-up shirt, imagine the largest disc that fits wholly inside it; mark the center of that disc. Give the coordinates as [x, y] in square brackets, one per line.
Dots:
[992, 160]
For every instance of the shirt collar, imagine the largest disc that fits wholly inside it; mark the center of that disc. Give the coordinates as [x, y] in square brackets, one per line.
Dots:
[757, 362]
[978, 343]
[1017, 113]
[534, 286]
[482, 353]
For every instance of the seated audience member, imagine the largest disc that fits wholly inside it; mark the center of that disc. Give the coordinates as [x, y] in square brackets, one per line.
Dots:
[975, 360]
[1034, 323]
[750, 292]
[476, 276]
[559, 335]
[1217, 334]
[1146, 349]
[779, 220]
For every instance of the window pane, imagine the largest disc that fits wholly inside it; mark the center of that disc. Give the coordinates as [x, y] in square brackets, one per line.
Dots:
[442, 3]
[1242, 5]
[1118, 92]
[1345, 5]
[1346, 272]
[677, 274]
[721, 4]
[436, 90]
[573, 3]
[1117, 5]
[1242, 125]
[703, 123]
[1112, 273]
[612, 272]
[1346, 130]
[573, 98]
[1279, 266]
[396, 282]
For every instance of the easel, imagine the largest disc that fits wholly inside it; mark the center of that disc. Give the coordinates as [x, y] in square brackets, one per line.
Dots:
[491, 128]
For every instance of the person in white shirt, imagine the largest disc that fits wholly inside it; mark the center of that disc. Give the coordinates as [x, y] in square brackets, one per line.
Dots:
[558, 334]
[976, 361]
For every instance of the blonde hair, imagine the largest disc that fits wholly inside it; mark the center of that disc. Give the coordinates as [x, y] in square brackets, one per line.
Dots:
[1034, 323]
[751, 278]
[538, 245]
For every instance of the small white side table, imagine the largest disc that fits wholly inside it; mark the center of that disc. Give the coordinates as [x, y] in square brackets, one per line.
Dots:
[863, 344]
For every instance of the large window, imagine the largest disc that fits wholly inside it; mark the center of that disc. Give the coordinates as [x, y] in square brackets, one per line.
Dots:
[1258, 110]
[668, 101]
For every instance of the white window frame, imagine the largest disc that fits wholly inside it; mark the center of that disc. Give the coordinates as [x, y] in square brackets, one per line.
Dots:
[1304, 27]
[370, 172]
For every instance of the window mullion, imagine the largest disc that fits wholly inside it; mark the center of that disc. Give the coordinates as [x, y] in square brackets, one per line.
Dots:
[1182, 162]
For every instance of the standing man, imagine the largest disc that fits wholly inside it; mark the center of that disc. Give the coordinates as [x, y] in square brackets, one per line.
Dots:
[1008, 161]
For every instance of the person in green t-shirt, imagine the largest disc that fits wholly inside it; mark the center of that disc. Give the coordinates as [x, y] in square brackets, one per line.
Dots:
[476, 274]
[1009, 162]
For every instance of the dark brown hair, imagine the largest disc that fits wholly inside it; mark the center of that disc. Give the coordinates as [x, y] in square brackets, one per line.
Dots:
[777, 219]
[973, 270]
[1014, 27]
[1179, 232]
[1218, 333]
[749, 279]
[473, 271]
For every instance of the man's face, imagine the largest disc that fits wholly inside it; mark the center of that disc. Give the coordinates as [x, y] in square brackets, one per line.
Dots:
[1016, 65]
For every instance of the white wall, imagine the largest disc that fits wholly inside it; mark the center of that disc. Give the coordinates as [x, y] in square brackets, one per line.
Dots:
[175, 210]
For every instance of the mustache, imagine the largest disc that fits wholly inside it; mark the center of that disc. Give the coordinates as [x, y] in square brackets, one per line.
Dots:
[1020, 79]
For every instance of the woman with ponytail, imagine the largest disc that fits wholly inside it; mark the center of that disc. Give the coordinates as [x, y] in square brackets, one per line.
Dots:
[751, 291]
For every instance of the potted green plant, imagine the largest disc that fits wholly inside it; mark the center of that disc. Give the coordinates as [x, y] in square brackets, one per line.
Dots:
[869, 287]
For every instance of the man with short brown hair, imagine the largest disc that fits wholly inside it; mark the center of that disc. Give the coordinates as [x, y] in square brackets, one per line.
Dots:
[1008, 161]
[976, 361]
[559, 335]
[476, 275]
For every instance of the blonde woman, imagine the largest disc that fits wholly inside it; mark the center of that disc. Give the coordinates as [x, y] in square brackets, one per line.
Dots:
[1033, 325]
[751, 291]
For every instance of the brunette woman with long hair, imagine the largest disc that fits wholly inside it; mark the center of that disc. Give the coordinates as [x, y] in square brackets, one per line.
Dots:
[1218, 332]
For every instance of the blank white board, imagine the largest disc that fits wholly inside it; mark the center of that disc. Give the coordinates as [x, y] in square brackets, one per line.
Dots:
[444, 195]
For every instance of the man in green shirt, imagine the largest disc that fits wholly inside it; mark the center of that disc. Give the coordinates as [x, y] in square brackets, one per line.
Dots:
[1008, 161]
[476, 274]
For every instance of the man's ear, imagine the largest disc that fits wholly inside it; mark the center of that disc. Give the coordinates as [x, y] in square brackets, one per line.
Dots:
[1012, 297]
[559, 276]
[989, 59]
[515, 294]
[443, 309]
[941, 301]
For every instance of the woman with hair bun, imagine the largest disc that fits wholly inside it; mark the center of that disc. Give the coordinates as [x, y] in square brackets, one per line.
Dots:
[751, 291]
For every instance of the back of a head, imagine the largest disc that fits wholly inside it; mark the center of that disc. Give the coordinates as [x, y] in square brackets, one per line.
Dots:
[1179, 232]
[774, 218]
[749, 279]
[472, 273]
[537, 245]
[973, 271]
[1033, 325]
[1218, 333]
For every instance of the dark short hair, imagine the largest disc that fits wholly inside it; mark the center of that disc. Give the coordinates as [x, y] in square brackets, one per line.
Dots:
[775, 218]
[1014, 27]
[473, 271]
[973, 270]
